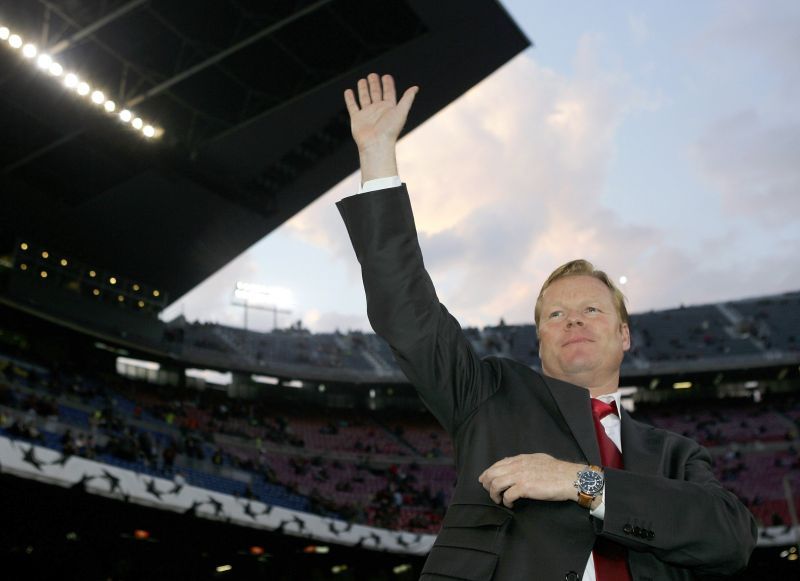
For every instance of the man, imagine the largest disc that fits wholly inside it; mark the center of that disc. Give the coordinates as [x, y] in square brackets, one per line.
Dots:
[541, 490]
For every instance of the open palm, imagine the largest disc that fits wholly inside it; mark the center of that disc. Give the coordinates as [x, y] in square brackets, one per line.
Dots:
[377, 118]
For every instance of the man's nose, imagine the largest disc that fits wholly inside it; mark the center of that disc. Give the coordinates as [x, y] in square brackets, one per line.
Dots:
[574, 319]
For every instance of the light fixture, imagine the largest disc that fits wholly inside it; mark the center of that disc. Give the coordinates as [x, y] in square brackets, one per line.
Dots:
[46, 63]
[156, 293]
[64, 262]
[45, 254]
[24, 246]
[92, 273]
[43, 274]
[71, 80]
[96, 292]
[125, 116]
[23, 266]
[112, 280]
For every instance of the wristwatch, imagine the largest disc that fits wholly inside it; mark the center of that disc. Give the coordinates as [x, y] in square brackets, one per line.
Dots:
[590, 484]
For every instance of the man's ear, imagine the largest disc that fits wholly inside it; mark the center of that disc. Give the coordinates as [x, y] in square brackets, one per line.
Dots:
[626, 336]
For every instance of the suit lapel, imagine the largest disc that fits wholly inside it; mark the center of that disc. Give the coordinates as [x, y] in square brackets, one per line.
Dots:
[642, 447]
[573, 403]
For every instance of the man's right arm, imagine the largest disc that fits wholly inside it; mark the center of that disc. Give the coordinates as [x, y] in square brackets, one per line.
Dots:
[401, 301]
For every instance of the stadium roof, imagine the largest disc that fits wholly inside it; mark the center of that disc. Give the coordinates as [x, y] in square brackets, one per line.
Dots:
[248, 95]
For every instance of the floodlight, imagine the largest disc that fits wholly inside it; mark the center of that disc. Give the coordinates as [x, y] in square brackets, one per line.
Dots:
[71, 80]
[55, 69]
[15, 40]
[125, 115]
[44, 61]
[83, 88]
[137, 123]
[98, 97]
[29, 51]
[4, 33]
[110, 106]
[148, 131]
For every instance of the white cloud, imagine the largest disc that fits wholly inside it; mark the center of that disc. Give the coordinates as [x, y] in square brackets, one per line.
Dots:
[637, 23]
[754, 165]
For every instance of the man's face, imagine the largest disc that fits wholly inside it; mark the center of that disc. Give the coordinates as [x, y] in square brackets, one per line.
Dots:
[581, 337]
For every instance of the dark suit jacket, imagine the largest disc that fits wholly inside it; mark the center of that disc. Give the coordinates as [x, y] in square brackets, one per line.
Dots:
[666, 506]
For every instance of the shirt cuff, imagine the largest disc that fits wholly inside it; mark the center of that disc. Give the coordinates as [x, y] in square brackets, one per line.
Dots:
[600, 511]
[380, 184]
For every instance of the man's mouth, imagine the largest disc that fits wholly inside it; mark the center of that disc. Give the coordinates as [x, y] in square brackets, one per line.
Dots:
[575, 340]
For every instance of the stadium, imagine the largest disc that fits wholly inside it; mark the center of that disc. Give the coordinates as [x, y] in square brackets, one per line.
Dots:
[137, 448]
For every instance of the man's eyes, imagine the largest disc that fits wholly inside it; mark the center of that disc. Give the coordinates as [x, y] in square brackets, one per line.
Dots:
[588, 310]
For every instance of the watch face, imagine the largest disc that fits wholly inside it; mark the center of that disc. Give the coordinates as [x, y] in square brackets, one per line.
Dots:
[591, 482]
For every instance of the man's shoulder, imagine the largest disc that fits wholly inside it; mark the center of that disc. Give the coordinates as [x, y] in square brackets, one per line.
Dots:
[514, 366]
[661, 433]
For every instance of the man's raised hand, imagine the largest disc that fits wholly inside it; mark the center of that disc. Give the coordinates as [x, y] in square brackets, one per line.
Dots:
[376, 120]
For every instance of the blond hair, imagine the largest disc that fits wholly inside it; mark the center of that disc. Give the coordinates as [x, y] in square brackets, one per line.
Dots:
[582, 267]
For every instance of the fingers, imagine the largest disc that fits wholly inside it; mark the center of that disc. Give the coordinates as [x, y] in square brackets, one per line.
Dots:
[350, 102]
[407, 100]
[363, 93]
[375, 90]
[389, 93]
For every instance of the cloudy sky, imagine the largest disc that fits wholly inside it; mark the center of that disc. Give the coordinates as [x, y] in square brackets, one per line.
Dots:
[660, 140]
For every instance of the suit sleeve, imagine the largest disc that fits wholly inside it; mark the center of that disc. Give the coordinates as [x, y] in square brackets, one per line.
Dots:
[688, 521]
[403, 308]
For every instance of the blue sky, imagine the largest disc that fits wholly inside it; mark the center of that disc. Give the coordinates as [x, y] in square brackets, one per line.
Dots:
[660, 140]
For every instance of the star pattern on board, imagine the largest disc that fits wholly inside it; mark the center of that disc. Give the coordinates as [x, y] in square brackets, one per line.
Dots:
[193, 509]
[373, 537]
[61, 461]
[401, 540]
[113, 481]
[153, 489]
[81, 484]
[337, 531]
[248, 510]
[29, 456]
[218, 508]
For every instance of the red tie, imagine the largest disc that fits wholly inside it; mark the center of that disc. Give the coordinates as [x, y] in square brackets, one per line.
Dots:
[610, 558]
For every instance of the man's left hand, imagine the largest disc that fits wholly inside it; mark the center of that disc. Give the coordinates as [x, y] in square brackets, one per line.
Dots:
[535, 476]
